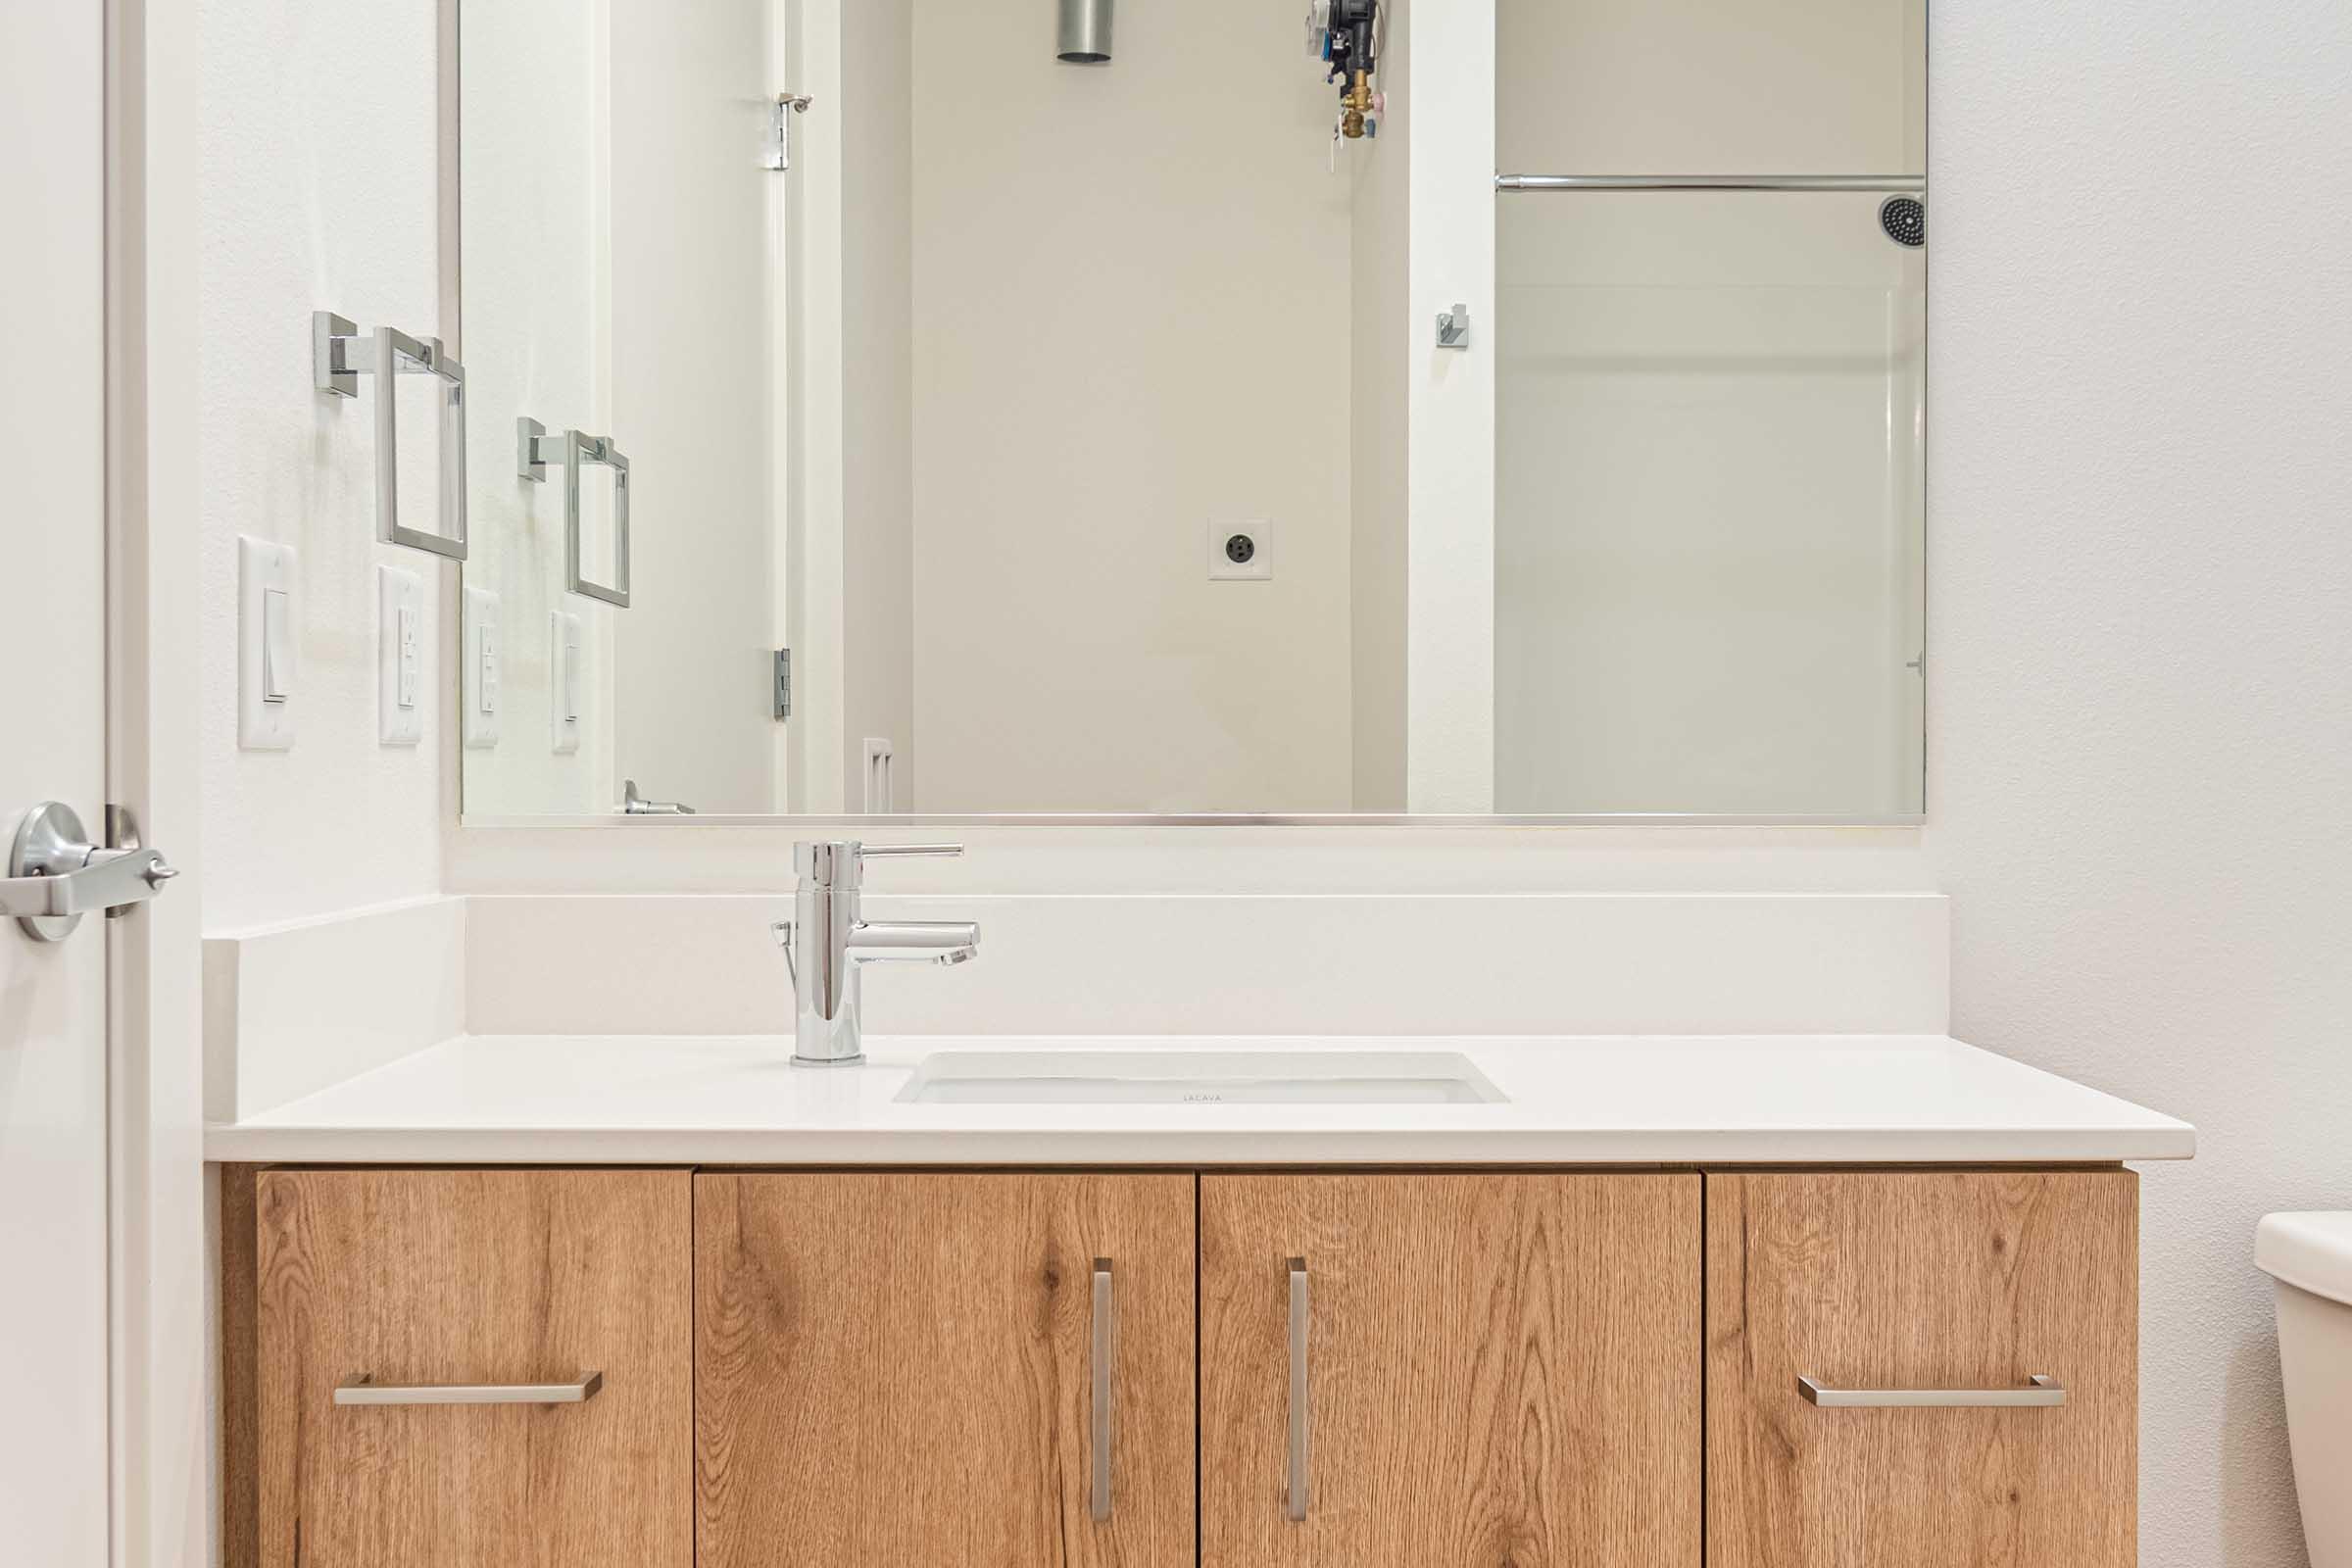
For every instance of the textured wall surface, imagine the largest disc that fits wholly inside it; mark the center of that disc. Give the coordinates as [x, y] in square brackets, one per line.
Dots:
[2141, 611]
[317, 172]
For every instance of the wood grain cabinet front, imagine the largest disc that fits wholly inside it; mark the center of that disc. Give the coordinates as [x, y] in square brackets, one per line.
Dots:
[1303, 1369]
[1887, 1354]
[473, 1369]
[1449, 1371]
[979, 1369]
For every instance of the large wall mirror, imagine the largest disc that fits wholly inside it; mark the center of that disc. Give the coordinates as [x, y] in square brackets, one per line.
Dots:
[947, 408]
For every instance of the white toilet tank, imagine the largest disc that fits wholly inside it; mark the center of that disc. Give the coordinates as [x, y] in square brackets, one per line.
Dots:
[2310, 1255]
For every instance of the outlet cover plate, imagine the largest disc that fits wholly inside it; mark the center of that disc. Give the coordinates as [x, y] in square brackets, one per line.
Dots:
[567, 680]
[398, 656]
[484, 684]
[1257, 565]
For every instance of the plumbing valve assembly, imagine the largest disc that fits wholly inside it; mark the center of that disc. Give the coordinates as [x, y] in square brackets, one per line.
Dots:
[1347, 36]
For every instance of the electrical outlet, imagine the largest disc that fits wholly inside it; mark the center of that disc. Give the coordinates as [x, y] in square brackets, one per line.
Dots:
[565, 662]
[400, 657]
[480, 688]
[1241, 552]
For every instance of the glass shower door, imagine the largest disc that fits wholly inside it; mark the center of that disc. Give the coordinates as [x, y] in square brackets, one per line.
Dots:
[1711, 267]
[1709, 504]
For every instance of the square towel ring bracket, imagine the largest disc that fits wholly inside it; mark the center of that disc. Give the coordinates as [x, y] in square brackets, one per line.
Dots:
[340, 354]
[534, 450]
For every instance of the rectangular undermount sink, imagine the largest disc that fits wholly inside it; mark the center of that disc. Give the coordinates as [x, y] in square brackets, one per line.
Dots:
[1198, 1078]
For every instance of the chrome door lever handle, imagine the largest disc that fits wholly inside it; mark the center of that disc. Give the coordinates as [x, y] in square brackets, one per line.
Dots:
[56, 875]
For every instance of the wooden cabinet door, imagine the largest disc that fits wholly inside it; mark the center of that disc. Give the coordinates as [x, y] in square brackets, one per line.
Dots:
[1921, 1281]
[475, 1277]
[902, 1369]
[1499, 1369]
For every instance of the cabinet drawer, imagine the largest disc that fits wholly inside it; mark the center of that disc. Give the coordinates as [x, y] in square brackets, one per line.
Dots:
[465, 1298]
[1922, 1306]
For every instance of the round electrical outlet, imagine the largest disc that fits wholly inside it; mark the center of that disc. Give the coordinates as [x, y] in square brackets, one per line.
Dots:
[1239, 552]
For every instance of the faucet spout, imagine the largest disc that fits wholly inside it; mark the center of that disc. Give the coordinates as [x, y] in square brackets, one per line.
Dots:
[946, 942]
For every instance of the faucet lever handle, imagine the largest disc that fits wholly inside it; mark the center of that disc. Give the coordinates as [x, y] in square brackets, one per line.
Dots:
[869, 851]
[781, 930]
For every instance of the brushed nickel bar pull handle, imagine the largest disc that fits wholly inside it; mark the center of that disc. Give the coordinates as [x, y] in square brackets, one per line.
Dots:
[2040, 1391]
[1294, 1506]
[1101, 1390]
[363, 1389]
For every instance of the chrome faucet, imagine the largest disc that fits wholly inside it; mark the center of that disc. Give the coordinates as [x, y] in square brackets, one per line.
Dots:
[826, 943]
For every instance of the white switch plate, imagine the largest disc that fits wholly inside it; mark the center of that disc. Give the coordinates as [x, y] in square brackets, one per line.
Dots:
[565, 658]
[269, 630]
[398, 656]
[1260, 567]
[484, 653]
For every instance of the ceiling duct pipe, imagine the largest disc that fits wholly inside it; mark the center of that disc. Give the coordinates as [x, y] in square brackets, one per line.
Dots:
[1085, 32]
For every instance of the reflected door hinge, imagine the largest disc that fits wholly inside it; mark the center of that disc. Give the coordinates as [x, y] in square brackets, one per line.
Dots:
[778, 152]
[783, 683]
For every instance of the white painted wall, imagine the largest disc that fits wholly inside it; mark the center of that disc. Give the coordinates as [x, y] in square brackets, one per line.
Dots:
[1131, 289]
[807, 57]
[537, 277]
[317, 189]
[874, 122]
[1449, 553]
[616, 242]
[690, 381]
[2141, 689]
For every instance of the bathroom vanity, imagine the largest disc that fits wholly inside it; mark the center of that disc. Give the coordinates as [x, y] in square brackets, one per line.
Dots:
[1511, 420]
[1629, 1301]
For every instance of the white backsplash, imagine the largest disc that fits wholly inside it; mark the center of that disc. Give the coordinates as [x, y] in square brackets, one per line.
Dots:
[293, 1008]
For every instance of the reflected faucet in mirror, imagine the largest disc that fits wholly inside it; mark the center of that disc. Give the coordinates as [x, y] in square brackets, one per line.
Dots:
[827, 943]
[634, 804]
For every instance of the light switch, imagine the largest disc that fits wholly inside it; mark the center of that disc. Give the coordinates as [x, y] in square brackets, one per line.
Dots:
[400, 657]
[565, 696]
[480, 697]
[268, 635]
[277, 647]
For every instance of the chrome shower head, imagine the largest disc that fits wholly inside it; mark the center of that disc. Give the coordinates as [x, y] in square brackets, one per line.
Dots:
[1905, 220]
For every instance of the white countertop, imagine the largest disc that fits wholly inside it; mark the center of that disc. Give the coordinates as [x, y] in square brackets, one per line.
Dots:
[1572, 1100]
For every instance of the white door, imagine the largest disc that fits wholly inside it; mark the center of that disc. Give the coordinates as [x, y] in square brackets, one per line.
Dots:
[53, 1049]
